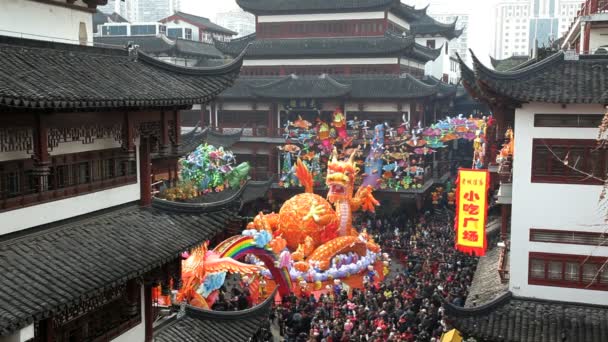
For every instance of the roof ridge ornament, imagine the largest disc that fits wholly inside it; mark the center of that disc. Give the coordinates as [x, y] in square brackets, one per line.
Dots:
[570, 55]
[132, 49]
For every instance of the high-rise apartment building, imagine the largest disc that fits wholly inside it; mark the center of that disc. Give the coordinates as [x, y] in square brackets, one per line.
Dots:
[142, 10]
[238, 21]
[521, 24]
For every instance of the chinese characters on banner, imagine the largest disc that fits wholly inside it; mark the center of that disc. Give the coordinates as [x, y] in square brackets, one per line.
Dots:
[471, 212]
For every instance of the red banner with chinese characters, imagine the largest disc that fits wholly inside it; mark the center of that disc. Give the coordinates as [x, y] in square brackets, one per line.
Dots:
[472, 210]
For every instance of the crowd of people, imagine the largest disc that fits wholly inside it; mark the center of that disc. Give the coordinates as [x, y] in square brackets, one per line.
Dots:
[407, 305]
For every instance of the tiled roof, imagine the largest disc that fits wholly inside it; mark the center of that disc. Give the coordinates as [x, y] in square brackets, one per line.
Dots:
[361, 87]
[191, 140]
[388, 45]
[256, 189]
[301, 87]
[551, 80]
[445, 90]
[510, 63]
[162, 45]
[512, 319]
[203, 22]
[197, 325]
[48, 75]
[312, 6]
[50, 267]
[423, 24]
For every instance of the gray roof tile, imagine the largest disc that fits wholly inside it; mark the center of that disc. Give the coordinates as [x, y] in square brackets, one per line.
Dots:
[41, 75]
[513, 319]
[96, 252]
[199, 325]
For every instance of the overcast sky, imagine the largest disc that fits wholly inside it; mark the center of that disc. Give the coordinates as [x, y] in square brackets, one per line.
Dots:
[481, 12]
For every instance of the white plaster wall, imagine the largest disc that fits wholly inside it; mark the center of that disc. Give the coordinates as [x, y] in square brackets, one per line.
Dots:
[78, 146]
[138, 332]
[550, 206]
[20, 336]
[28, 217]
[237, 106]
[183, 24]
[441, 65]
[320, 61]
[320, 17]
[35, 20]
[598, 37]
[378, 106]
[6, 156]
[395, 19]
[187, 62]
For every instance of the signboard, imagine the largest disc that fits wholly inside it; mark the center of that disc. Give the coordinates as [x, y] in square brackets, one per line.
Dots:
[472, 211]
[302, 104]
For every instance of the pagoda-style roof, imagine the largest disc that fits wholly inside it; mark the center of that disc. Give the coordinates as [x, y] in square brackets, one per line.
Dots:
[201, 22]
[162, 45]
[427, 26]
[198, 325]
[197, 136]
[511, 63]
[554, 79]
[444, 89]
[352, 86]
[260, 7]
[422, 24]
[49, 75]
[385, 46]
[302, 88]
[48, 268]
[513, 319]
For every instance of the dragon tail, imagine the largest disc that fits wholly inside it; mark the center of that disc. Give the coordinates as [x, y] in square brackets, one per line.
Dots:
[304, 176]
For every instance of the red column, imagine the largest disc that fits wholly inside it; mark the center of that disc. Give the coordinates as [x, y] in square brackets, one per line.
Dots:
[148, 319]
[164, 132]
[145, 172]
[41, 154]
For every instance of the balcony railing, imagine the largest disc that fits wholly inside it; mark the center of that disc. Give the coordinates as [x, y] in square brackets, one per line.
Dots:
[505, 171]
[592, 7]
[262, 132]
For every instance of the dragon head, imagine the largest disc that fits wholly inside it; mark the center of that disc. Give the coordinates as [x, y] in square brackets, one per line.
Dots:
[341, 177]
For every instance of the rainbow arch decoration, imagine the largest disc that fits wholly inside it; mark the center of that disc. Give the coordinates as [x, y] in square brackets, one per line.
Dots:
[238, 246]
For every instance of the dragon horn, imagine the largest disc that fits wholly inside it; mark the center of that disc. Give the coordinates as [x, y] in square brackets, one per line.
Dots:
[334, 155]
[351, 159]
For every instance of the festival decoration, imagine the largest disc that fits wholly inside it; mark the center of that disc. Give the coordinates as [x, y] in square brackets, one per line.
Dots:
[204, 272]
[471, 211]
[319, 244]
[207, 169]
[393, 156]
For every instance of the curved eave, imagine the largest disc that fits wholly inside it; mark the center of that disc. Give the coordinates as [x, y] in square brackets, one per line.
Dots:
[232, 315]
[235, 46]
[197, 208]
[483, 71]
[468, 79]
[456, 311]
[260, 10]
[408, 13]
[274, 89]
[425, 54]
[233, 67]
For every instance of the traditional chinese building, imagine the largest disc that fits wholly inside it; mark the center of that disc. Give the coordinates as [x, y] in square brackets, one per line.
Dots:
[551, 178]
[587, 32]
[83, 242]
[309, 58]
